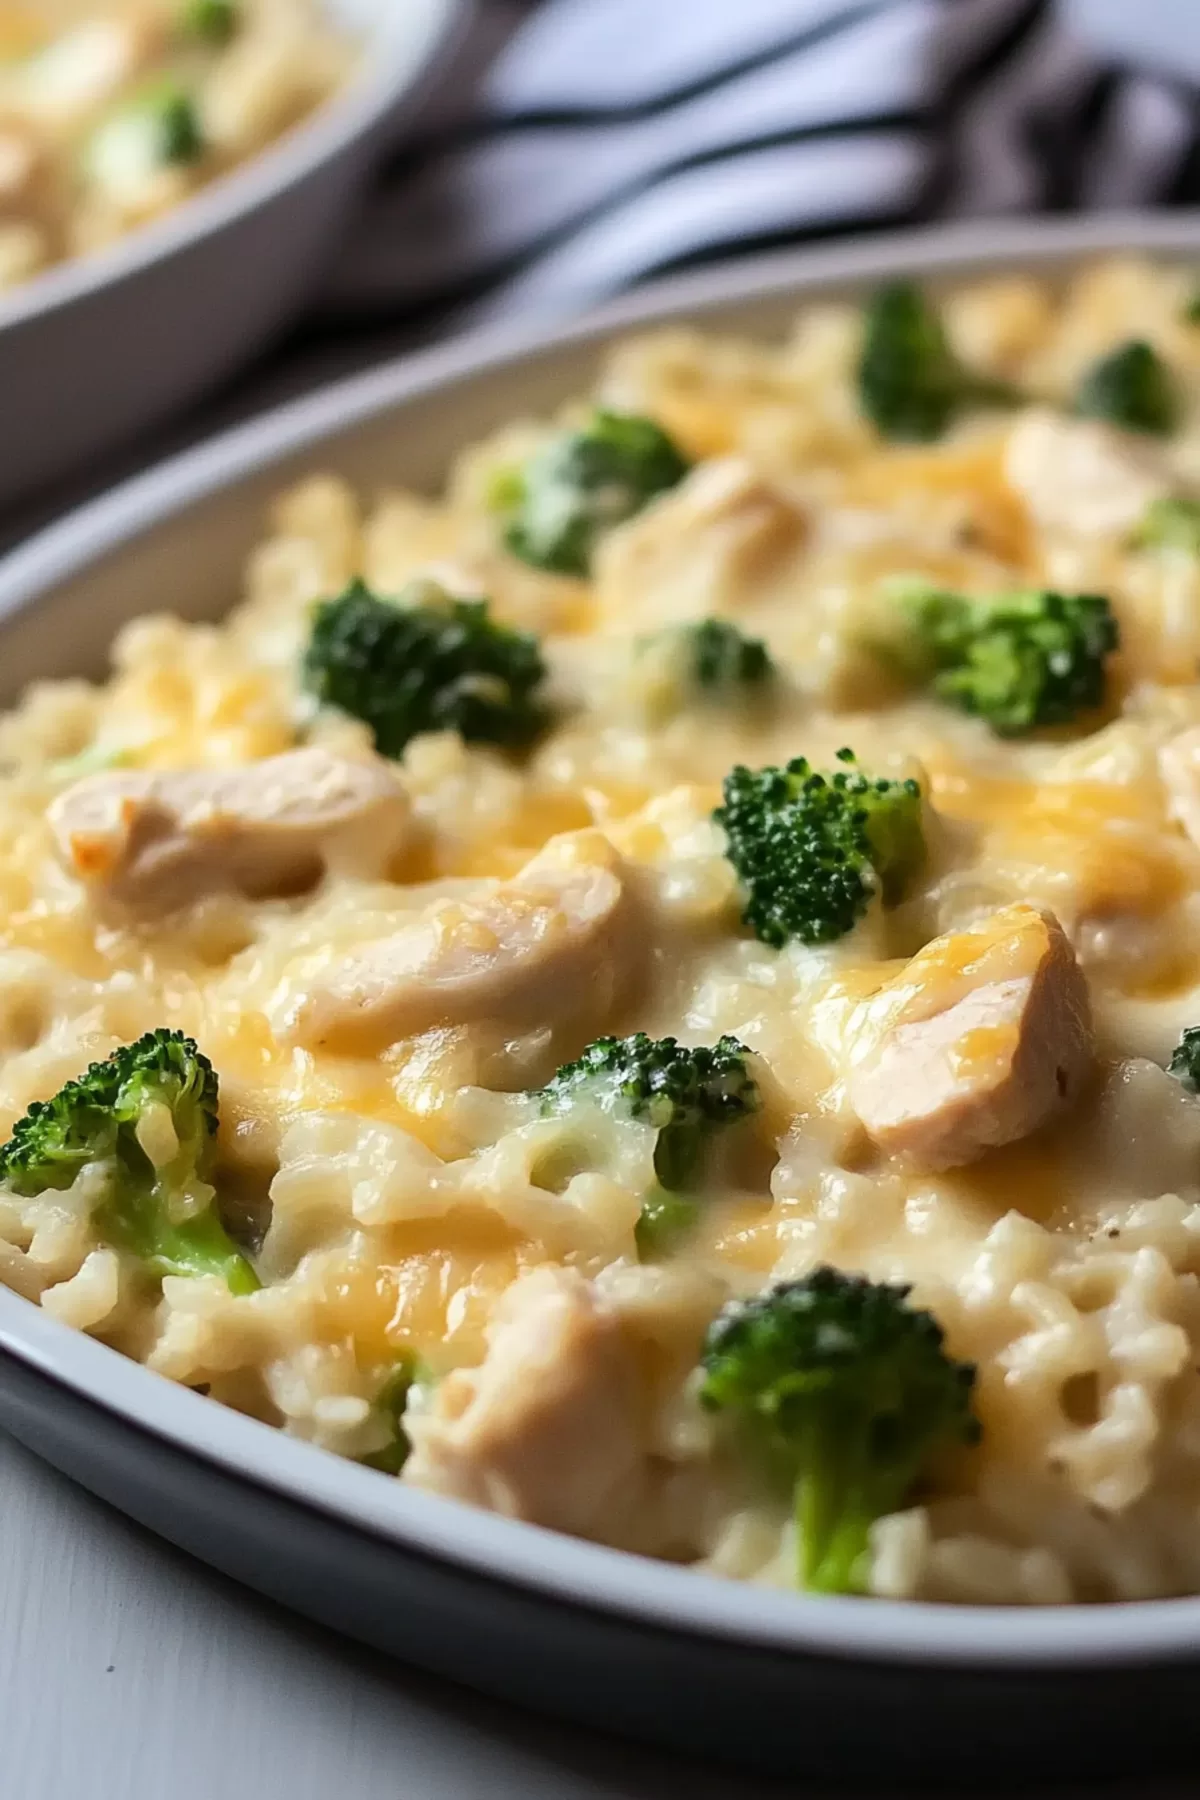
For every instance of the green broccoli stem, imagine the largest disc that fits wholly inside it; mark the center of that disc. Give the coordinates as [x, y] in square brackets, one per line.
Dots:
[665, 1219]
[669, 1210]
[164, 1213]
[838, 1496]
[985, 392]
[391, 1402]
[844, 1394]
[677, 1154]
[137, 1221]
[689, 1095]
[831, 1542]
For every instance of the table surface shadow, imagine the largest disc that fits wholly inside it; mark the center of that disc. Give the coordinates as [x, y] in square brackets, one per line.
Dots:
[128, 1671]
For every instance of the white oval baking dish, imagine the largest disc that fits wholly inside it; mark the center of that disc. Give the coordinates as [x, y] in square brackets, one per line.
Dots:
[825, 1686]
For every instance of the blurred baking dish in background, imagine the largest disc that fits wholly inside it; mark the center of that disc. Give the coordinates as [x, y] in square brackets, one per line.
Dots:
[112, 115]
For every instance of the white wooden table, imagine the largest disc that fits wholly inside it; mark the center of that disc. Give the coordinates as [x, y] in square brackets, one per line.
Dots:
[130, 1672]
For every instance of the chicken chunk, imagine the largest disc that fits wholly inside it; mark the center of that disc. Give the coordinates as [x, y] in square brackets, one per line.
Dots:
[724, 539]
[546, 1429]
[69, 83]
[152, 841]
[555, 939]
[981, 1038]
[1083, 476]
[1179, 764]
[27, 185]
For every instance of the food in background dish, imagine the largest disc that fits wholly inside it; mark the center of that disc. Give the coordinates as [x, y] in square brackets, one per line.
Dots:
[659, 992]
[112, 115]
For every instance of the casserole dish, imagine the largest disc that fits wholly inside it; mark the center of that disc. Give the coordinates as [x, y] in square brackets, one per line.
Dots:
[718, 1668]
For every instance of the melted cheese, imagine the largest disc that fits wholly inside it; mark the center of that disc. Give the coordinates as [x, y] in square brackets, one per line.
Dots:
[402, 1189]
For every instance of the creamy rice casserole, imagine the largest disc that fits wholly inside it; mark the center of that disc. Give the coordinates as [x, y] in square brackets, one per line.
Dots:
[112, 115]
[656, 992]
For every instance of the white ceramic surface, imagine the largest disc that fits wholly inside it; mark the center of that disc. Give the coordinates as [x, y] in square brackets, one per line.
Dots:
[98, 349]
[1162, 36]
[182, 532]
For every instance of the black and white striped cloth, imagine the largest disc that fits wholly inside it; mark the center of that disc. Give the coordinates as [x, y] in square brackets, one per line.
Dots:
[583, 146]
[578, 147]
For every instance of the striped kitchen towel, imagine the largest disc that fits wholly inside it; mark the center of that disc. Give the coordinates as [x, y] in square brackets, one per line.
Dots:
[579, 147]
[587, 145]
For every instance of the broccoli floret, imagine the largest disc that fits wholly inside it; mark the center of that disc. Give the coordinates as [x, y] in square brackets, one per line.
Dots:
[704, 663]
[910, 383]
[391, 1402]
[172, 116]
[158, 1095]
[211, 21]
[664, 1220]
[723, 664]
[688, 1093]
[1185, 1060]
[579, 485]
[684, 1091]
[1170, 524]
[1020, 661]
[846, 1394]
[427, 662]
[158, 127]
[1133, 388]
[810, 850]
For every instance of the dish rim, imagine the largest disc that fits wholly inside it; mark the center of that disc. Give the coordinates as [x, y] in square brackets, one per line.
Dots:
[633, 1588]
[402, 43]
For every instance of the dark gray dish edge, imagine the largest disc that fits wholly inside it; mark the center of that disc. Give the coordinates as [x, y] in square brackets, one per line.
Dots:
[822, 1717]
